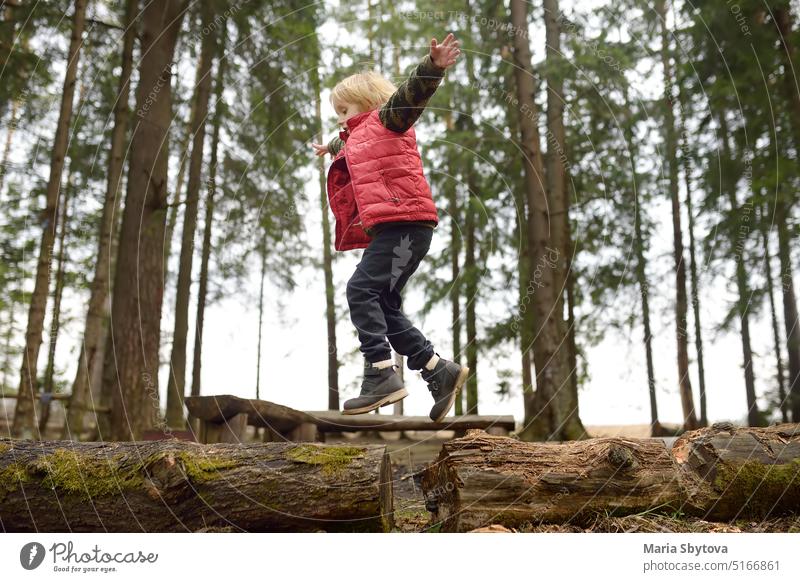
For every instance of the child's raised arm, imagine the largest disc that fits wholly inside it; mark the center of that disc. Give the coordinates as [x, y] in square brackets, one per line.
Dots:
[407, 103]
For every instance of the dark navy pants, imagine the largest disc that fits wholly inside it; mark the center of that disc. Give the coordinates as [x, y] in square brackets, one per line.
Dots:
[373, 294]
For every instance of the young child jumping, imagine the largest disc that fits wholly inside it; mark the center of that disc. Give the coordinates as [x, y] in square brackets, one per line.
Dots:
[382, 203]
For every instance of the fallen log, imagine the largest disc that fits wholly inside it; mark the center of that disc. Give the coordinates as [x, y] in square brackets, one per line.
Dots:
[729, 472]
[170, 486]
[720, 473]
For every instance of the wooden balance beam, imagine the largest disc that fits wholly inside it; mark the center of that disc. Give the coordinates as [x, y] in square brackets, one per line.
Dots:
[332, 421]
[223, 418]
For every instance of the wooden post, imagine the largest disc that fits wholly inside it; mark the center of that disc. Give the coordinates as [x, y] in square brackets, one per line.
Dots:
[229, 431]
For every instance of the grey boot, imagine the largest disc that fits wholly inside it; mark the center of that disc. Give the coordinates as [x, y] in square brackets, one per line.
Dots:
[444, 383]
[381, 386]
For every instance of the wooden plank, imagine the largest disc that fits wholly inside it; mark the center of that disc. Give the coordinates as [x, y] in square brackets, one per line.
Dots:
[332, 421]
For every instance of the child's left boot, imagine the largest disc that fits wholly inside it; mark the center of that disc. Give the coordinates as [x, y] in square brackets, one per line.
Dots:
[380, 387]
[444, 382]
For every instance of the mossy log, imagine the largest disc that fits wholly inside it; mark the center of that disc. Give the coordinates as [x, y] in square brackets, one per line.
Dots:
[720, 473]
[729, 472]
[179, 486]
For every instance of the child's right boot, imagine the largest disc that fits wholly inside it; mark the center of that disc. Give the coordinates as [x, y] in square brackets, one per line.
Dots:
[381, 386]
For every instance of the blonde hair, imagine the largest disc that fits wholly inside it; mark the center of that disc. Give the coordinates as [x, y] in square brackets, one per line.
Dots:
[367, 89]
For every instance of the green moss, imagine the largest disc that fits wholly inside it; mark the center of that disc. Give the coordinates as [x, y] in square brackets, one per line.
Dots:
[11, 477]
[4, 449]
[754, 488]
[332, 459]
[73, 472]
[201, 468]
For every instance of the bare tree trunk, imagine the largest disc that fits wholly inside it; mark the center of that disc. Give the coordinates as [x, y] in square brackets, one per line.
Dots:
[560, 232]
[523, 320]
[694, 281]
[176, 385]
[263, 254]
[9, 335]
[671, 147]
[24, 415]
[641, 275]
[94, 334]
[470, 268]
[327, 260]
[783, 208]
[175, 201]
[138, 280]
[790, 318]
[547, 416]
[783, 403]
[471, 290]
[202, 287]
[10, 130]
[455, 255]
[58, 291]
[743, 302]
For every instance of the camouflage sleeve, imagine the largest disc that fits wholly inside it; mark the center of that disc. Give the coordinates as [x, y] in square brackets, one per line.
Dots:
[407, 103]
[335, 145]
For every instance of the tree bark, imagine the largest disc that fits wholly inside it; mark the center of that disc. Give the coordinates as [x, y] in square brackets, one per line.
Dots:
[743, 303]
[547, 414]
[693, 277]
[671, 146]
[58, 293]
[263, 254]
[641, 273]
[470, 266]
[327, 261]
[783, 208]
[179, 486]
[176, 385]
[94, 334]
[719, 473]
[24, 421]
[454, 212]
[783, 403]
[790, 318]
[138, 281]
[202, 286]
[560, 231]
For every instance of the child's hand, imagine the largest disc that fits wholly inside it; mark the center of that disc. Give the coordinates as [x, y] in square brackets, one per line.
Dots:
[444, 55]
[320, 149]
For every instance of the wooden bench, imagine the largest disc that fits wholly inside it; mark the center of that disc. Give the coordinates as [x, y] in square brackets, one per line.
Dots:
[223, 418]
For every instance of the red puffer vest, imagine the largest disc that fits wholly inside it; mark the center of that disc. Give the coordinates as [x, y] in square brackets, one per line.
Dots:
[376, 177]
